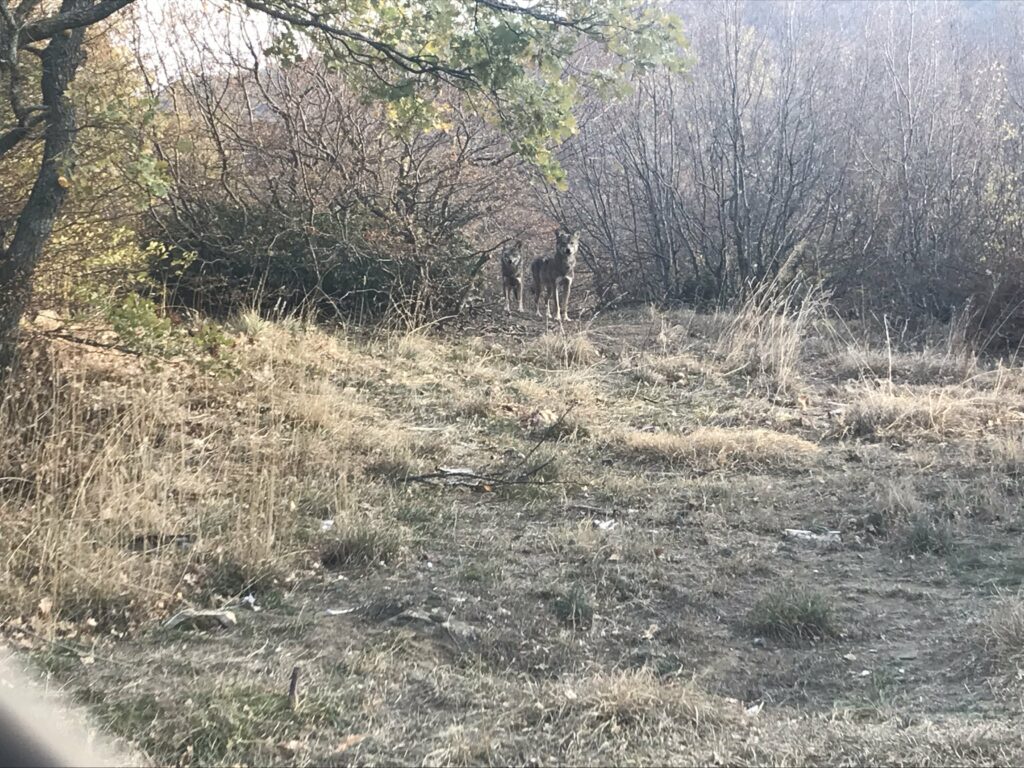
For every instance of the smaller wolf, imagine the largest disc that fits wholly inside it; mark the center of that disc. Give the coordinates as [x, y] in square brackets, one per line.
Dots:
[512, 274]
[551, 272]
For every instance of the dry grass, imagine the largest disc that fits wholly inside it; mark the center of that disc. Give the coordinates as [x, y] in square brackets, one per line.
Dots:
[87, 478]
[914, 368]
[98, 477]
[683, 325]
[633, 704]
[415, 346]
[563, 350]
[905, 412]
[765, 337]
[710, 448]
[361, 540]
[250, 323]
[1003, 630]
[557, 620]
[608, 540]
[675, 370]
[912, 526]
[925, 534]
[1005, 453]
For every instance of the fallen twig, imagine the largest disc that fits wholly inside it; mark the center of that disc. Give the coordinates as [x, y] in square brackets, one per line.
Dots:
[469, 475]
[89, 342]
[293, 689]
[548, 433]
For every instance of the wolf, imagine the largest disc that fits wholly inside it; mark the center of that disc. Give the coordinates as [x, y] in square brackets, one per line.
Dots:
[512, 274]
[552, 271]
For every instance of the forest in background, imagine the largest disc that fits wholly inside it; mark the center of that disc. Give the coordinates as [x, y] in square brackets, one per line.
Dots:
[872, 149]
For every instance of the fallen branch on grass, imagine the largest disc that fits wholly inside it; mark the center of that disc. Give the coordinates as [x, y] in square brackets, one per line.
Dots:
[467, 477]
[89, 342]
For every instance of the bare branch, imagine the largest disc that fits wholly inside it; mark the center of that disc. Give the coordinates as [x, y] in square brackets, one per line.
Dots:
[82, 16]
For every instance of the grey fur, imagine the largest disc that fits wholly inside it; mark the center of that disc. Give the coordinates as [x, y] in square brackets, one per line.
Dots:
[554, 271]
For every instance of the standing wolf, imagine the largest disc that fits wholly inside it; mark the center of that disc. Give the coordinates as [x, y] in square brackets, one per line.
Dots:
[512, 274]
[551, 272]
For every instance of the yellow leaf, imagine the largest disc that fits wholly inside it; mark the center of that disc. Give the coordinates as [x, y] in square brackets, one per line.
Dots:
[62, 182]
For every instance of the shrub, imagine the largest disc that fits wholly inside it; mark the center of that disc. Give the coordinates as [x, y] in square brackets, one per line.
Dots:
[260, 260]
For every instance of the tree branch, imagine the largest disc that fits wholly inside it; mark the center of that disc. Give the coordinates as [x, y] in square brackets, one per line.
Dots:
[16, 135]
[43, 29]
[584, 24]
[413, 64]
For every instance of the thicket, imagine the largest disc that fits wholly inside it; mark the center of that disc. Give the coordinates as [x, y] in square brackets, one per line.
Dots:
[872, 148]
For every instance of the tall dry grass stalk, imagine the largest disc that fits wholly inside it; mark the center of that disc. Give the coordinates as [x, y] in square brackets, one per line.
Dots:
[79, 476]
[943, 356]
[765, 338]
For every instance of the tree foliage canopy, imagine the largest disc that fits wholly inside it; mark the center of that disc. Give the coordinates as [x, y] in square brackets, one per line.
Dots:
[516, 57]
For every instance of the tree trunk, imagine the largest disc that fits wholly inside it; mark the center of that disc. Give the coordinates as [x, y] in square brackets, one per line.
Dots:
[60, 60]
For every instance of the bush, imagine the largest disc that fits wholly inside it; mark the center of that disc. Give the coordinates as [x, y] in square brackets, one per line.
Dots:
[996, 312]
[260, 260]
[376, 214]
[142, 326]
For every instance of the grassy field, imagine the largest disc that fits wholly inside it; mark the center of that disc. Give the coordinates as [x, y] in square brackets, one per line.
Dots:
[648, 538]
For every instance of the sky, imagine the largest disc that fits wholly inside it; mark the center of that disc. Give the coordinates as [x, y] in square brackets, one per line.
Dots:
[172, 34]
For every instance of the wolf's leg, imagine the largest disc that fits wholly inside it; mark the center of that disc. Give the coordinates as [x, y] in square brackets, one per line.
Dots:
[536, 289]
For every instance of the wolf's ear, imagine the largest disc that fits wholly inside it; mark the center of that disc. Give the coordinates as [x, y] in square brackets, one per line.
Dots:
[575, 239]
